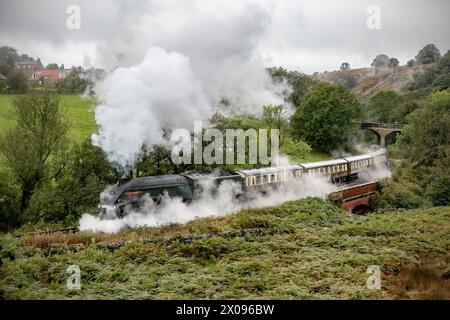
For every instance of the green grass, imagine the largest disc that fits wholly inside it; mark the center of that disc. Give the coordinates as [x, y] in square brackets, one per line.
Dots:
[79, 112]
[297, 260]
[312, 156]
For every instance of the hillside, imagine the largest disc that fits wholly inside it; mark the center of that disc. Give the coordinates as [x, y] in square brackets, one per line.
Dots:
[371, 80]
[307, 249]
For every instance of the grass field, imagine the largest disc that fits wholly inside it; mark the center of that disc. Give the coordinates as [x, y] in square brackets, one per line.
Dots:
[79, 112]
[307, 249]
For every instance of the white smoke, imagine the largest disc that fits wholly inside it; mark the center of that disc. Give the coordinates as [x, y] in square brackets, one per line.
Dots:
[139, 102]
[378, 172]
[174, 63]
[224, 202]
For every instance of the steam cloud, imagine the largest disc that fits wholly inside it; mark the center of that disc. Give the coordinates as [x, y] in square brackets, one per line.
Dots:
[139, 102]
[177, 64]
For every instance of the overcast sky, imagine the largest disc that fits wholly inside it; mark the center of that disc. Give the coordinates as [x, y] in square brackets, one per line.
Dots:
[309, 36]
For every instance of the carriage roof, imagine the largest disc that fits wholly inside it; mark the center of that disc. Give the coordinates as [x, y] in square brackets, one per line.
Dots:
[325, 163]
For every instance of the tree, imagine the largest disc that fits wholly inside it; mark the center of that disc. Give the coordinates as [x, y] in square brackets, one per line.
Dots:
[76, 190]
[438, 190]
[17, 82]
[275, 117]
[52, 66]
[381, 61]
[411, 63]
[427, 135]
[8, 56]
[424, 173]
[74, 82]
[345, 66]
[6, 70]
[428, 54]
[299, 82]
[9, 202]
[324, 119]
[350, 81]
[32, 149]
[382, 105]
[393, 63]
[432, 79]
[154, 161]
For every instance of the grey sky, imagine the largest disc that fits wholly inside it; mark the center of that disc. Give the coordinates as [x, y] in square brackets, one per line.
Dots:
[310, 36]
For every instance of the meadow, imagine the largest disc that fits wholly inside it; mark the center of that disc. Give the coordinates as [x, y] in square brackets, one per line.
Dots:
[78, 110]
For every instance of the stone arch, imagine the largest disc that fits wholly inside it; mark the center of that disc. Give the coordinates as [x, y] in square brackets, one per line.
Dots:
[361, 209]
[391, 137]
[376, 134]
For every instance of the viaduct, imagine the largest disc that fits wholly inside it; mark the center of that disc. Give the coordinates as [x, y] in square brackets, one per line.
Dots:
[382, 130]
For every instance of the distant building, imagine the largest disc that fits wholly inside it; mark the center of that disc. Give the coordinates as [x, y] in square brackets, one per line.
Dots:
[50, 76]
[29, 67]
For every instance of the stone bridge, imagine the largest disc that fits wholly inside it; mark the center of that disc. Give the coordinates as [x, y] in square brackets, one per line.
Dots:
[355, 199]
[382, 130]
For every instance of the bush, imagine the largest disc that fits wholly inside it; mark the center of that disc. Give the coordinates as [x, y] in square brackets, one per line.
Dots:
[17, 82]
[404, 194]
[9, 202]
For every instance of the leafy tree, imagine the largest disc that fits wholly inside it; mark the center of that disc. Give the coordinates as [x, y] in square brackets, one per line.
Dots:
[275, 117]
[31, 150]
[76, 190]
[350, 81]
[299, 82]
[382, 105]
[438, 190]
[402, 110]
[393, 63]
[52, 66]
[425, 137]
[8, 56]
[155, 161]
[17, 82]
[432, 79]
[381, 61]
[75, 82]
[345, 66]
[6, 70]
[9, 202]
[428, 54]
[411, 63]
[444, 62]
[324, 119]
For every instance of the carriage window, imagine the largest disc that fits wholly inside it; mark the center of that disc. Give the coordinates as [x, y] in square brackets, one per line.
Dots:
[265, 178]
[272, 178]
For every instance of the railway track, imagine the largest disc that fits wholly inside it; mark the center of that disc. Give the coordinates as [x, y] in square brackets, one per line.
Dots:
[189, 238]
[51, 231]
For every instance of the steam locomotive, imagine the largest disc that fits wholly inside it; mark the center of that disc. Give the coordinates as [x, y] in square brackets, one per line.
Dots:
[129, 195]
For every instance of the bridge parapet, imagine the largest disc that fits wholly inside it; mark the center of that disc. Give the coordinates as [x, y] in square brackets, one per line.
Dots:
[369, 125]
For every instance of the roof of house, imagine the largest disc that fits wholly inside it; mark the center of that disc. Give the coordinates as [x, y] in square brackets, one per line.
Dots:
[49, 73]
[2, 77]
